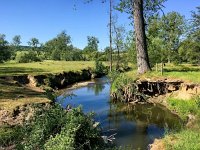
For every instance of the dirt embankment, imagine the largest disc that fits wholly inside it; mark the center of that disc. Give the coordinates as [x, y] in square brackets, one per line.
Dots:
[55, 81]
[148, 90]
[17, 93]
[157, 91]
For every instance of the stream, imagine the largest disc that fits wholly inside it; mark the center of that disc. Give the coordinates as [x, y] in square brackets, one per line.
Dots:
[134, 125]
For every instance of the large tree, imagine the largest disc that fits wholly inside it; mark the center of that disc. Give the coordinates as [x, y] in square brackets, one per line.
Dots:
[139, 11]
[140, 37]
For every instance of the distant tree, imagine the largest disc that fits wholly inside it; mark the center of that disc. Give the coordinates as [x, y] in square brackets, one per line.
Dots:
[189, 49]
[34, 42]
[154, 42]
[195, 31]
[5, 53]
[91, 50]
[118, 40]
[59, 47]
[16, 41]
[172, 28]
[92, 45]
[107, 53]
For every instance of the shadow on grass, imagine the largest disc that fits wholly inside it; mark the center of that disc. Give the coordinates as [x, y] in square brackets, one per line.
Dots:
[182, 69]
[13, 91]
[18, 70]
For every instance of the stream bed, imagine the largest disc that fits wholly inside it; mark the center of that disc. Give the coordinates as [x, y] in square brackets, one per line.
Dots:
[134, 125]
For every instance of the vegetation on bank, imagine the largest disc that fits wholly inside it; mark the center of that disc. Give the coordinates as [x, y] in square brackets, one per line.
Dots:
[185, 72]
[188, 110]
[53, 127]
[188, 137]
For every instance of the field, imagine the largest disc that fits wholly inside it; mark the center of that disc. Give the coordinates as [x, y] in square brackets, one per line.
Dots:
[11, 68]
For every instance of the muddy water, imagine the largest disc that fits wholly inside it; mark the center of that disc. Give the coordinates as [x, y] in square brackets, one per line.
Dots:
[135, 126]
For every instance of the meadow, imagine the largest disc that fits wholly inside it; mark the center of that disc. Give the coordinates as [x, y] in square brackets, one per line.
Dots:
[47, 66]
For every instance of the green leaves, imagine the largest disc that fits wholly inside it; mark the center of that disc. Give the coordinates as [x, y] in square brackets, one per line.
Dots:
[56, 128]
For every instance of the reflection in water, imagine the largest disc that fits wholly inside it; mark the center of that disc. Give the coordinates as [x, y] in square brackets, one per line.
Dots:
[135, 125]
[97, 88]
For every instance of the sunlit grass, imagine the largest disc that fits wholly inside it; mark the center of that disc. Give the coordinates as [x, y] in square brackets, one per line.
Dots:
[184, 107]
[186, 72]
[184, 140]
[189, 137]
[48, 66]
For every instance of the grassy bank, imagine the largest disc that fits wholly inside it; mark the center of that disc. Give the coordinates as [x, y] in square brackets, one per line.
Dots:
[12, 68]
[189, 137]
[189, 110]
[186, 72]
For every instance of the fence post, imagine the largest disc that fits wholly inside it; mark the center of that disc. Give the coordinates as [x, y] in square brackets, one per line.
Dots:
[162, 68]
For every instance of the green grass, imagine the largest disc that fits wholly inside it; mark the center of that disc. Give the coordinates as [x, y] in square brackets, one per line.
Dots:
[189, 137]
[184, 140]
[186, 72]
[12, 68]
[184, 107]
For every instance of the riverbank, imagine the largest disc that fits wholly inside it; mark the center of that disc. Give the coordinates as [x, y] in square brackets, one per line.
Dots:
[189, 135]
[177, 89]
[22, 94]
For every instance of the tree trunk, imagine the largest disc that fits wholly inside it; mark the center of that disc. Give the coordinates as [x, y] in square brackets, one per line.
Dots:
[110, 32]
[141, 45]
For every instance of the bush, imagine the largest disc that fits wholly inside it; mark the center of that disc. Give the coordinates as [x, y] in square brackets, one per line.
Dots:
[5, 54]
[56, 128]
[100, 69]
[27, 57]
[9, 135]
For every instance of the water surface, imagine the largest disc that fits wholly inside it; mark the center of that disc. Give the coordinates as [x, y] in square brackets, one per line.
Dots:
[135, 125]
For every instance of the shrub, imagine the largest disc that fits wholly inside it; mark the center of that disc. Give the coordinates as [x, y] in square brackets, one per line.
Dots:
[5, 53]
[9, 135]
[100, 69]
[27, 57]
[56, 128]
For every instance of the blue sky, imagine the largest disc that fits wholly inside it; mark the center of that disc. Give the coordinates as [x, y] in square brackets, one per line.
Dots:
[44, 19]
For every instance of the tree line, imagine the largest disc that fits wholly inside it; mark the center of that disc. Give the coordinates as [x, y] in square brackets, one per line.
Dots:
[169, 38]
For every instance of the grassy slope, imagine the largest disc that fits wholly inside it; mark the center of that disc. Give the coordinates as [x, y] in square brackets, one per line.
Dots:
[43, 67]
[189, 137]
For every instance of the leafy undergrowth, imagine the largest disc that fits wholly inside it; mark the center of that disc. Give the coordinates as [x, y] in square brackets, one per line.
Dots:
[56, 128]
[53, 127]
[189, 137]
[8, 135]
